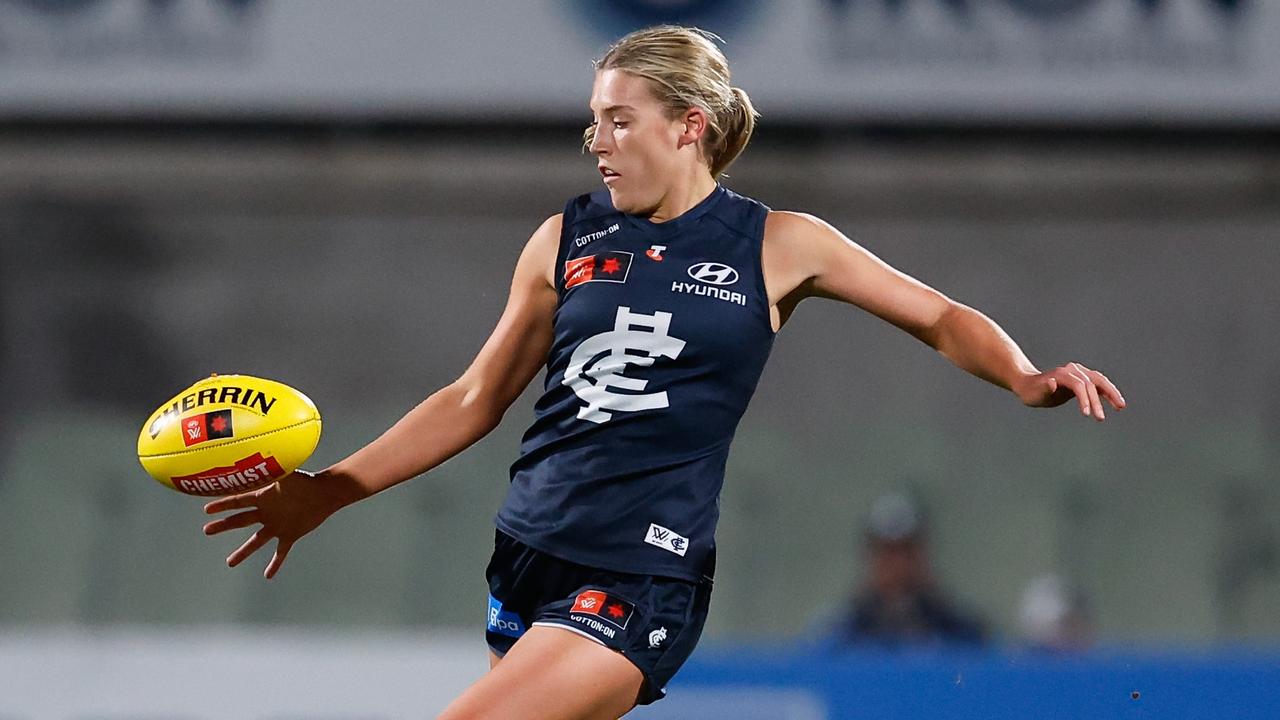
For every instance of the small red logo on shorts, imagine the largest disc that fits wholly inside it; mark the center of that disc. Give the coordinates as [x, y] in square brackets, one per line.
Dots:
[611, 609]
[589, 602]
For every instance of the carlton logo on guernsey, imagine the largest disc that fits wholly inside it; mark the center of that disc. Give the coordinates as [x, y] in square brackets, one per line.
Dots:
[596, 365]
[661, 333]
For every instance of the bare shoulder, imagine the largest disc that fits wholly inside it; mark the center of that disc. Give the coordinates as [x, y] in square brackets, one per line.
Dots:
[802, 236]
[539, 255]
[797, 245]
[548, 233]
[552, 224]
[792, 228]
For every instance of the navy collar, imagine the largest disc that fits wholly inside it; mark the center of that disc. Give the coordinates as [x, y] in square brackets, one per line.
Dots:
[681, 222]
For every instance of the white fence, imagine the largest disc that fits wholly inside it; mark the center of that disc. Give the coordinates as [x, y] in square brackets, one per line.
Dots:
[219, 672]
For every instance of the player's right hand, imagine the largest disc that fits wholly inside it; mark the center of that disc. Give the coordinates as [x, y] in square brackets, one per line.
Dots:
[1072, 380]
[286, 509]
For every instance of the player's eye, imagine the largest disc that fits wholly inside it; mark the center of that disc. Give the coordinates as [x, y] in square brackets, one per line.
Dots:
[620, 124]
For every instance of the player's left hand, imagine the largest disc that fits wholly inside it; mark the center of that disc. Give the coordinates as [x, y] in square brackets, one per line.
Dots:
[1073, 380]
[287, 509]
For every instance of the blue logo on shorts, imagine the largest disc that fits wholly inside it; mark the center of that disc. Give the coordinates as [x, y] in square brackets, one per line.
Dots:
[504, 622]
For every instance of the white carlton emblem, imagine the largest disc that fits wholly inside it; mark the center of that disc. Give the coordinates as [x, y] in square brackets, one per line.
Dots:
[657, 636]
[598, 363]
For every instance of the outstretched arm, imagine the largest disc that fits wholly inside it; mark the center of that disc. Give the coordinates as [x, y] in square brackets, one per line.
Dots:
[821, 262]
[443, 425]
[460, 414]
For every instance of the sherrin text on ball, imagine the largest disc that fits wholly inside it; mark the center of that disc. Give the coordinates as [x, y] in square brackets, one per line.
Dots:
[229, 433]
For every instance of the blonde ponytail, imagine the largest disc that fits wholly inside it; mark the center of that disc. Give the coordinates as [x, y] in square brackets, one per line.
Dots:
[738, 127]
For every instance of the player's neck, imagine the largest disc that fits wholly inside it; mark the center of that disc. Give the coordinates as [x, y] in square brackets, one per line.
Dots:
[682, 197]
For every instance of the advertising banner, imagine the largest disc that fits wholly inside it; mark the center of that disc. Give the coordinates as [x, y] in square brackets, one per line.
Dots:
[1057, 61]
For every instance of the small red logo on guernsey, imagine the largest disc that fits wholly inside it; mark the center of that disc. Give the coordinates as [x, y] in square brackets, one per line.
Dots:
[655, 252]
[609, 608]
[612, 266]
[579, 270]
[247, 474]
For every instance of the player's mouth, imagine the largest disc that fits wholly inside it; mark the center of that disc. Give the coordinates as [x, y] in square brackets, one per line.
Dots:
[609, 174]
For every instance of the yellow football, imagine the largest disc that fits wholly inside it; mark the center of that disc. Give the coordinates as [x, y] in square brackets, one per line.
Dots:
[227, 434]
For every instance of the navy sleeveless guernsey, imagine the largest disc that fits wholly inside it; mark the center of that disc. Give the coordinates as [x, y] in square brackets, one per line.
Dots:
[661, 333]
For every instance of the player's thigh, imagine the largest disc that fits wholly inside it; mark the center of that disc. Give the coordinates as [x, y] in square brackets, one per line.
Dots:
[552, 674]
[494, 659]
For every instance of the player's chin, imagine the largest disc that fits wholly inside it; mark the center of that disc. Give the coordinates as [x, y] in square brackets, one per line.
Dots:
[622, 200]
[629, 202]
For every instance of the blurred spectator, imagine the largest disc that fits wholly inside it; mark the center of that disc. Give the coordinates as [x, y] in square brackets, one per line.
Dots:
[899, 604]
[1054, 616]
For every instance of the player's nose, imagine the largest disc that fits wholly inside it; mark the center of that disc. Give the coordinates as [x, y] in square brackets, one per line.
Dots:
[597, 146]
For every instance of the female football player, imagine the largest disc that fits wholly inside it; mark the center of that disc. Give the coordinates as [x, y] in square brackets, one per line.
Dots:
[653, 304]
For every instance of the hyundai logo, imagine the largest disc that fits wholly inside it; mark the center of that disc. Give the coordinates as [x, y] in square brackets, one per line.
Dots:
[713, 273]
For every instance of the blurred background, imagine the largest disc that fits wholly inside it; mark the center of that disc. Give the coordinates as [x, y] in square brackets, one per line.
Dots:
[334, 194]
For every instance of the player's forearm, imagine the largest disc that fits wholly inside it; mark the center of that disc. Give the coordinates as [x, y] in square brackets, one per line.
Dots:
[976, 344]
[446, 423]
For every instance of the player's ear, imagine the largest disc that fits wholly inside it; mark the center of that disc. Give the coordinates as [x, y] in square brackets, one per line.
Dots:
[693, 125]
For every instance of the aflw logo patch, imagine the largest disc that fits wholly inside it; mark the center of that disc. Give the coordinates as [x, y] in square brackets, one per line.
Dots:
[611, 266]
[609, 608]
[668, 540]
[207, 426]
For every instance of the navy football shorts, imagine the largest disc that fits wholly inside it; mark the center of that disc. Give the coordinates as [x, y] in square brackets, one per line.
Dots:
[654, 621]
